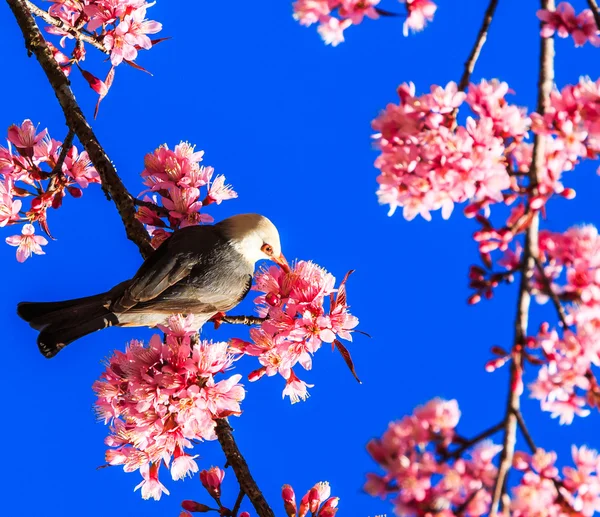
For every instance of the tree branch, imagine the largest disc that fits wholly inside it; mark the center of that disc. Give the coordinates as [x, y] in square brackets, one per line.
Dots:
[111, 183]
[64, 26]
[525, 431]
[531, 251]
[469, 443]
[479, 42]
[64, 149]
[243, 320]
[240, 467]
[595, 10]
[238, 503]
[553, 296]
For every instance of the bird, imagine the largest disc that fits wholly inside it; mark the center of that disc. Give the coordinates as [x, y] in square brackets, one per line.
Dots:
[203, 270]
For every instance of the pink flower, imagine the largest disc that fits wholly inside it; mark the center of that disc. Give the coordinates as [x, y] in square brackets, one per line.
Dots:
[219, 192]
[165, 396]
[308, 12]
[9, 208]
[332, 30]
[130, 35]
[419, 13]
[24, 137]
[79, 167]
[151, 487]
[27, 243]
[356, 10]
[564, 22]
[211, 480]
[296, 389]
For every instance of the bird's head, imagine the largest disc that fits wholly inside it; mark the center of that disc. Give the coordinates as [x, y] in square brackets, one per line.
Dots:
[255, 237]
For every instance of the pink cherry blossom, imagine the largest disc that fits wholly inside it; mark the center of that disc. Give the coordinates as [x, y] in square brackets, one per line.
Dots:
[219, 192]
[332, 29]
[131, 34]
[151, 487]
[166, 396]
[79, 167]
[27, 243]
[9, 208]
[211, 480]
[24, 137]
[427, 163]
[419, 13]
[296, 323]
[564, 22]
[421, 469]
[308, 12]
[356, 10]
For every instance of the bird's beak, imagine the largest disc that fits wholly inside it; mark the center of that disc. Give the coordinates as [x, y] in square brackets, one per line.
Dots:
[282, 263]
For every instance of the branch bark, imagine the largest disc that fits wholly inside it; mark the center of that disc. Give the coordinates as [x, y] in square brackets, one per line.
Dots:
[240, 467]
[531, 253]
[243, 320]
[479, 42]
[111, 183]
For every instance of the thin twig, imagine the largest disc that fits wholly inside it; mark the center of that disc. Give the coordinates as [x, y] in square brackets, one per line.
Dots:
[595, 10]
[111, 183]
[65, 148]
[64, 26]
[525, 431]
[469, 443]
[479, 42]
[240, 467]
[513, 405]
[553, 296]
[159, 210]
[243, 320]
[238, 503]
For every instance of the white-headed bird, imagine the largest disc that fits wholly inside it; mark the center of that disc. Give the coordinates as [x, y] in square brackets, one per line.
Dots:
[199, 270]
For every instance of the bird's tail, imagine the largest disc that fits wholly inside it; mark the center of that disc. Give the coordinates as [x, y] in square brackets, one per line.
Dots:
[61, 323]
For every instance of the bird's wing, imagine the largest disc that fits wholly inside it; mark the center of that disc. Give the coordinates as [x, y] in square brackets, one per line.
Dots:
[169, 264]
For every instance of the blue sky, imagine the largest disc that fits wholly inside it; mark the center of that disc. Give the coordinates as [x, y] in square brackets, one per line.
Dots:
[287, 120]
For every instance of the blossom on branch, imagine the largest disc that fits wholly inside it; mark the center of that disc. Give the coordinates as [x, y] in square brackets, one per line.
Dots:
[564, 22]
[161, 397]
[335, 16]
[176, 177]
[424, 468]
[29, 168]
[296, 323]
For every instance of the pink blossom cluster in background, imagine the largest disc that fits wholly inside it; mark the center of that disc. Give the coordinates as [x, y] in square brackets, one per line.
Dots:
[566, 383]
[27, 170]
[158, 398]
[564, 22]
[428, 162]
[296, 323]
[175, 177]
[543, 491]
[119, 27]
[428, 469]
[335, 16]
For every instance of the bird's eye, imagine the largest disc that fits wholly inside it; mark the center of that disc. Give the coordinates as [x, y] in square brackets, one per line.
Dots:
[267, 249]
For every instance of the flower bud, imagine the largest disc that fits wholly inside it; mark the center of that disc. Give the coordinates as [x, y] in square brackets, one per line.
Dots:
[211, 480]
[75, 192]
[289, 500]
[193, 506]
[273, 299]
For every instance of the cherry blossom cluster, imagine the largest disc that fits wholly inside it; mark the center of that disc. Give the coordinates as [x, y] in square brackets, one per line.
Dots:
[424, 468]
[428, 162]
[564, 22]
[36, 166]
[316, 502]
[335, 16]
[296, 323]
[566, 383]
[161, 397]
[118, 28]
[175, 177]
[542, 491]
